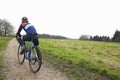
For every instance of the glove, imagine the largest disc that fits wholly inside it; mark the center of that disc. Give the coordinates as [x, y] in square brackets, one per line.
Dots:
[18, 36]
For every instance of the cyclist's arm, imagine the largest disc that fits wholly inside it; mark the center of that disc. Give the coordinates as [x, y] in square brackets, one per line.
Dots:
[19, 30]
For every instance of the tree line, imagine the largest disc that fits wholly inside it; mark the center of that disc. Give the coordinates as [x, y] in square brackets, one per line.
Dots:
[115, 38]
[51, 36]
[100, 38]
[94, 38]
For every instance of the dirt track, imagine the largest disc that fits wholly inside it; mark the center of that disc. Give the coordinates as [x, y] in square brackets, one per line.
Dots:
[14, 71]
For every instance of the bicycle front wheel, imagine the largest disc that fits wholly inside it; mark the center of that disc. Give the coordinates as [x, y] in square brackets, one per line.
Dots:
[36, 61]
[21, 57]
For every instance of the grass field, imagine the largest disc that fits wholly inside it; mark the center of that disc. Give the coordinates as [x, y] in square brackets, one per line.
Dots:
[83, 60]
[3, 44]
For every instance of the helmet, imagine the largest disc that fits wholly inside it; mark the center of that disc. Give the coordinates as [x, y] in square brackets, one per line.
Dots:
[24, 19]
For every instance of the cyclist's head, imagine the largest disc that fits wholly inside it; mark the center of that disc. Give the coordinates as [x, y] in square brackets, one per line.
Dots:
[24, 19]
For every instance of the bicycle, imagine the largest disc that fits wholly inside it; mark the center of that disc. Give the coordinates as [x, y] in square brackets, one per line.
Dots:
[34, 56]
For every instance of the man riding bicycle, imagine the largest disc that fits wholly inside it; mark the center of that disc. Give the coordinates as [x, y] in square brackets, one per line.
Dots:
[31, 33]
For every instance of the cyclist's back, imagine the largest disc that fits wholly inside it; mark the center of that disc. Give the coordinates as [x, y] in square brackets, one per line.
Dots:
[30, 31]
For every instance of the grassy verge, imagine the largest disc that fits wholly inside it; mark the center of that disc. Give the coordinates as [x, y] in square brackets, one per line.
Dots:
[3, 44]
[1, 66]
[83, 60]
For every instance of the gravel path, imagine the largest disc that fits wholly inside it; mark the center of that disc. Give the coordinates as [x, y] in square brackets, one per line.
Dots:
[14, 71]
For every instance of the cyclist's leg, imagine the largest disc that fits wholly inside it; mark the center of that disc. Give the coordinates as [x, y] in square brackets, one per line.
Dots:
[23, 39]
[35, 40]
[20, 41]
[36, 44]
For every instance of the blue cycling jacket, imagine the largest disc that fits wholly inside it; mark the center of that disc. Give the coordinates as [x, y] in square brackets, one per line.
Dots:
[29, 29]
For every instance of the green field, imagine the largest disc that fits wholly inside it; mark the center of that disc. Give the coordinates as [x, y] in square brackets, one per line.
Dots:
[3, 44]
[83, 60]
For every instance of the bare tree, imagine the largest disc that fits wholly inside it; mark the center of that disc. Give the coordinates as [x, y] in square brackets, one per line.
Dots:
[6, 28]
[84, 37]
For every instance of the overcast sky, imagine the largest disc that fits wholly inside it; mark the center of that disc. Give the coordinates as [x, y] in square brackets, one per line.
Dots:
[70, 18]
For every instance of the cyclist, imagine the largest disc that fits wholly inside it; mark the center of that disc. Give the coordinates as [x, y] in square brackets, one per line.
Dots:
[30, 33]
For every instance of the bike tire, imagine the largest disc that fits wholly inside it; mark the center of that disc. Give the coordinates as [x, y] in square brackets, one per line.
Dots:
[21, 57]
[35, 65]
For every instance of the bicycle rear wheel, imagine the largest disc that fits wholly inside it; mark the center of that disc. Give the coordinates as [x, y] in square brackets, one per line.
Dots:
[36, 62]
[21, 57]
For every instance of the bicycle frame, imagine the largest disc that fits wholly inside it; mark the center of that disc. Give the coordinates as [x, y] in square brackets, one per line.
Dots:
[30, 49]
